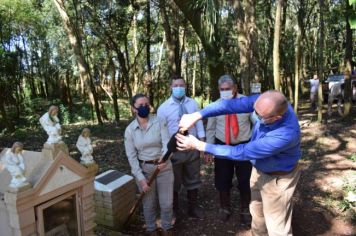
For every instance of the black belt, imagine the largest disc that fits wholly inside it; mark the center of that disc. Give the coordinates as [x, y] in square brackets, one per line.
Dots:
[152, 162]
[218, 141]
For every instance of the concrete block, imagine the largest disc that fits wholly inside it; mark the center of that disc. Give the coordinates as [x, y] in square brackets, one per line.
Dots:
[10, 198]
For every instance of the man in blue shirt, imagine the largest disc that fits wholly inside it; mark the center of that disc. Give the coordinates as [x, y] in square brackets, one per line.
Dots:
[274, 151]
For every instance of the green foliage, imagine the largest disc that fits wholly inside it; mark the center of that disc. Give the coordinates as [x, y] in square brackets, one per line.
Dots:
[21, 134]
[348, 203]
[65, 115]
[35, 53]
[124, 109]
[210, 10]
[352, 157]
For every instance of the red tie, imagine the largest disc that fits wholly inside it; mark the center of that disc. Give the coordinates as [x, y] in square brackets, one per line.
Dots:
[231, 120]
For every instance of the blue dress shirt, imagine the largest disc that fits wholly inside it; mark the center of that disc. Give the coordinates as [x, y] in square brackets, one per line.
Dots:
[273, 147]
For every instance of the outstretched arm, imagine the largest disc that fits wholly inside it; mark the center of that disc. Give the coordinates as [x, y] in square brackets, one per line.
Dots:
[258, 149]
[230, 106]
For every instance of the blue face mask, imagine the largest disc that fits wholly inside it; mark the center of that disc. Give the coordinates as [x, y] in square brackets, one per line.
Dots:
[143, 111]
[257, 118]
[178, 92]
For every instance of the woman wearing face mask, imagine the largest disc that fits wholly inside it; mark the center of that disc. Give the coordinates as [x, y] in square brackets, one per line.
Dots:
[146, 139]
[232, 129]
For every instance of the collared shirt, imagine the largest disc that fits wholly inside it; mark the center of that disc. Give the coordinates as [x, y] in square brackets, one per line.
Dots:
[145, 144]
[169, 111]
[216, 128]
[273, 147]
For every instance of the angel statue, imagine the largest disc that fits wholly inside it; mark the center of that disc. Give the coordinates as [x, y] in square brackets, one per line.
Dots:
[14, 163]
[85, 147]
[50, 123]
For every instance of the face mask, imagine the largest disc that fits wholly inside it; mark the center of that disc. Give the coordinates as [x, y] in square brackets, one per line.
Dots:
[143, 111]
[178, 92]
[256, 118]
[227, 94]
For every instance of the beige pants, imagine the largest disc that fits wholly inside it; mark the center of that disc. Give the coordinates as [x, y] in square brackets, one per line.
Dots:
[271, 203]
[161, 192]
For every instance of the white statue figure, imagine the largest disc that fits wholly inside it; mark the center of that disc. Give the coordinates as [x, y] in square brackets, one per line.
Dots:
[51, 125]
[85, 147]
[14, 163]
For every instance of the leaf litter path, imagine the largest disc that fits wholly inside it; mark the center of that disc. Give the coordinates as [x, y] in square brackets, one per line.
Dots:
[325, 169]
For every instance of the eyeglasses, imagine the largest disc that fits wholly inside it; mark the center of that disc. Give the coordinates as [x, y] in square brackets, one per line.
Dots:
[261, 117]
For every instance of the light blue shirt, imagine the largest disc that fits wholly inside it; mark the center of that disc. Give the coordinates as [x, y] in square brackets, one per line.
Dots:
[273, 147]
[314, 84]
[169, 111]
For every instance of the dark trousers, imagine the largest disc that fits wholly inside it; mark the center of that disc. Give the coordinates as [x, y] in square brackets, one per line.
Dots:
[225, 170]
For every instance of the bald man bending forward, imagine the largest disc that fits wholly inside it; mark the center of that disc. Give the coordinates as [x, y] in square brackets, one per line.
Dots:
[274, 151]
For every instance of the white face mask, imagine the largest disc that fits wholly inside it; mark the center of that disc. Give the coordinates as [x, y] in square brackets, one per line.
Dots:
[227, 94]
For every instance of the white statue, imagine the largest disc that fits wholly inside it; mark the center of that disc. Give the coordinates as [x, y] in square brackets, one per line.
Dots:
[85, 147]
[50, 123]
[14, 163]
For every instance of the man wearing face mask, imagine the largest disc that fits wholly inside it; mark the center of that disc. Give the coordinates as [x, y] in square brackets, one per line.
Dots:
[274, 151]
[231, 130]
[186, 164]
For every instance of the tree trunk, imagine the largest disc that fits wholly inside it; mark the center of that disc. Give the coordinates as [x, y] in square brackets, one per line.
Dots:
[276, 41]
[9, 126]
[201, 70]
[114, 91]
[247, 42]
[211, 47]
[171, 29]
[30, 75]
[267, 83]
[157, 74]
[69, 94]
[297, 59]
[82, 63]
[242, 42]
[124, 72]
[64, 96]
[348, 61]
[320, 64]
[134, 42]
[195, 72]
[149, 79]
[290, 88]
[185, 68]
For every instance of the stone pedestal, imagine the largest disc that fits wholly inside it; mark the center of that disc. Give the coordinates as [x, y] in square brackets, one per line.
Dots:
[92, 168]
[22, 220]
[50, 151]
[24, 187]
[114, 196]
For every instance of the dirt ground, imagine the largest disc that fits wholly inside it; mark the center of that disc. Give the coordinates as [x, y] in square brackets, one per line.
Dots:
[326, 167]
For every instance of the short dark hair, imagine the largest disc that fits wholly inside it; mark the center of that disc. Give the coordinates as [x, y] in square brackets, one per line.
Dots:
[175, 77]
[137, 96]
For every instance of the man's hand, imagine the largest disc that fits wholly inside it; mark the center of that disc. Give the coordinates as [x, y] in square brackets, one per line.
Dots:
[144, 186]
[186, 143]
[208, 158]
[188, 120]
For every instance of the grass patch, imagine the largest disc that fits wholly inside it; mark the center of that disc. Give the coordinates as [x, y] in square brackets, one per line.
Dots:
[352, 157]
